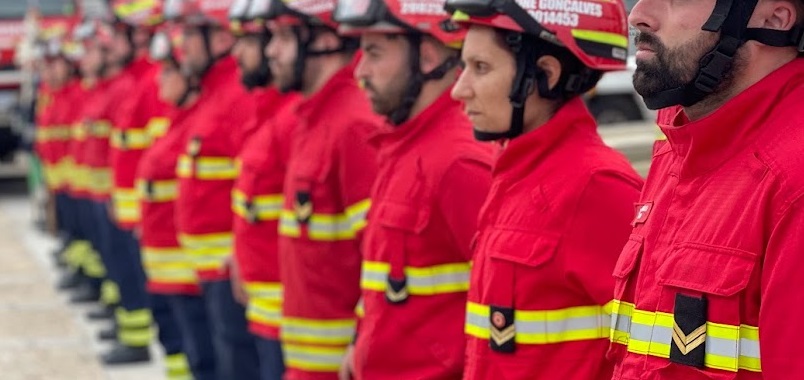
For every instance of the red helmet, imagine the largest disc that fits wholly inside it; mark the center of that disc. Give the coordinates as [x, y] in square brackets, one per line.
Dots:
[246, 16]
[314, 12]
[594, 31]
[94, 31]
[138, 13]
[199, 12]
[398, 16]
[166, 43]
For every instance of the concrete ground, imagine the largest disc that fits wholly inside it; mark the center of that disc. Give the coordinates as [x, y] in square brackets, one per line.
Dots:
[42, 337]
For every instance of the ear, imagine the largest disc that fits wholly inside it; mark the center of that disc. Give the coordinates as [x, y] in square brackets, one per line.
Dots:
[776, 14]
[429, 55]
[551, 68]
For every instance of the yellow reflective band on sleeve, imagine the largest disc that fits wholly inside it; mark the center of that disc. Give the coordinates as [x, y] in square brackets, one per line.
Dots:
[53, 133]
[545, 326]
[314, 358]
[130, 139]
[728, 347]
[264, 303]
[207, 251]
[422, 281]
[157, 127]
[168, 265]
[206, 168]
[126, 204]
[606, 38]
[79, 131]
[100, 129]
[158, 191]
[327, 227]
[258, 208]
[99, 180]
[318, 331]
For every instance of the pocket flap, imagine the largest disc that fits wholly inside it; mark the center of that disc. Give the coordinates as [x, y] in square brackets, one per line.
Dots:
[522, 247]
[709, 269]
[629, 256]
[401, 216]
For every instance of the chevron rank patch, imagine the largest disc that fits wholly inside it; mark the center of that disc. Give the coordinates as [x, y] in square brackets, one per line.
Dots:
[502, 329]
[397, 290]
[689, 331]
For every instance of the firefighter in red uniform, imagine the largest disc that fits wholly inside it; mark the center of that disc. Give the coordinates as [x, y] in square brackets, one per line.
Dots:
[326, 191]
[708, 285]
[257, 195]
[560, 202]
[135, 111]
[206, 171]
[169, 269]
[433, 177]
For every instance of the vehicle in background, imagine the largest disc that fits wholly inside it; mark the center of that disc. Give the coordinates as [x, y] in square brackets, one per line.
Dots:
[614, 99]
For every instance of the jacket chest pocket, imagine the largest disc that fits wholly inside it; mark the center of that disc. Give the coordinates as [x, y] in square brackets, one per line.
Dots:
[397, 229]
[625, 278]
[705, 287]
[518, 268]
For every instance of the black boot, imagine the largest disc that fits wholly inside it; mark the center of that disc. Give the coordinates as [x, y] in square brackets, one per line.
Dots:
[84, 294]
[108, 334]
[101, 313]
[69, 280]
[120, 354]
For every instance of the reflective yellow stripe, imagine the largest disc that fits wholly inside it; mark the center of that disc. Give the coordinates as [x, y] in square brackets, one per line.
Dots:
[51, 133]
[207, 251]
[79, 131]
[424, 281]
[158, 191]
[360, 310]
[327, 227]
[100, 129]
[545, 326]
[178, 368]
[126, 204]
[728, 347]
[157, 127]
[264, 303]
[313, 358]
[206, 168]
[129, 8]
[140, 337]
[318, 331]
[79, 177]
[99, 180]
[613, 39]
[258, 208]
[110, 293]
[126, 139]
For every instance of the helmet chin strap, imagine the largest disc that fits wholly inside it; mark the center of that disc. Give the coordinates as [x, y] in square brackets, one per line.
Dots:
[305, 51]
[730, 18]
[417, 78]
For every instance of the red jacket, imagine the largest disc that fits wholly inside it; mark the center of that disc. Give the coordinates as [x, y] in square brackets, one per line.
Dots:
[257, 203]
[97, 146]
[46, 134]
[138, 111]
[88, 126]
[54, 138]
[716, 245]
[432, 179]
[331, 169]
[206, 169]
[168, 267]
[548, 237]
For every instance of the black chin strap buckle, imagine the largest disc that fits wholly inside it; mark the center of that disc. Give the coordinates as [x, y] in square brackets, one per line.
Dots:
[717, 63]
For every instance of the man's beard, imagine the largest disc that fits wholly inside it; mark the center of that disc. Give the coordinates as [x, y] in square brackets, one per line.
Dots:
[259, 77]
[669, 68]
[388, 102]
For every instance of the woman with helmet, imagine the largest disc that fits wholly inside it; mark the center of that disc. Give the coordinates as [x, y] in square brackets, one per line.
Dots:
[330, 170]
[561, 201]
[433, 177]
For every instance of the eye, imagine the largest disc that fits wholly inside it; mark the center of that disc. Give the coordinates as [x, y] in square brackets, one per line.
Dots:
[480, 67]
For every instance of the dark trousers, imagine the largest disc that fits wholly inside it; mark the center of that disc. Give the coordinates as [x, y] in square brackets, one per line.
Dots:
[170, 333]
[191, 316]
[235, 349]
[272, 366]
